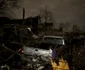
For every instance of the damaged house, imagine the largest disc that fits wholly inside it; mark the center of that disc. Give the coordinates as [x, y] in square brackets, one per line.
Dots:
[14, 29]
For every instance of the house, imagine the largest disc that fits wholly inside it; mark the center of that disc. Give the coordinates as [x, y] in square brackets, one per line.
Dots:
[16, 28]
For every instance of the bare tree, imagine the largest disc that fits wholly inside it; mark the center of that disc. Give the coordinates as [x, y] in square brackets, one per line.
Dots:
[61, 27]
[46, 15]
[75, 28]
[6, 5]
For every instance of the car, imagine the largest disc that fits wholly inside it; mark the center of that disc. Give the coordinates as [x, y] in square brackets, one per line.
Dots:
[44, 47]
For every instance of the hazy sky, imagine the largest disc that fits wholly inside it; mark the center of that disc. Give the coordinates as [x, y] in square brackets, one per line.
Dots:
[63, 10]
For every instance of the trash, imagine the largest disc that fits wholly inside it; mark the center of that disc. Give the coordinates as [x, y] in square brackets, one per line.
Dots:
[63, 65]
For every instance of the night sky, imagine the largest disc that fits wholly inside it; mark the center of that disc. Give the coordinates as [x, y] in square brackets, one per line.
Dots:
[70, 11]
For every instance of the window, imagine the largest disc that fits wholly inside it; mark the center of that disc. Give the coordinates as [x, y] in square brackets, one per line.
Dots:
[51, 40]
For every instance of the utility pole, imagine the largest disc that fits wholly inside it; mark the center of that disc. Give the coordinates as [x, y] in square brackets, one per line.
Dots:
[23, 16]
[22, 26]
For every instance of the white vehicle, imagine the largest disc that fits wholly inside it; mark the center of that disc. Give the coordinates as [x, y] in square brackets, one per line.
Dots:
[44, 48]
